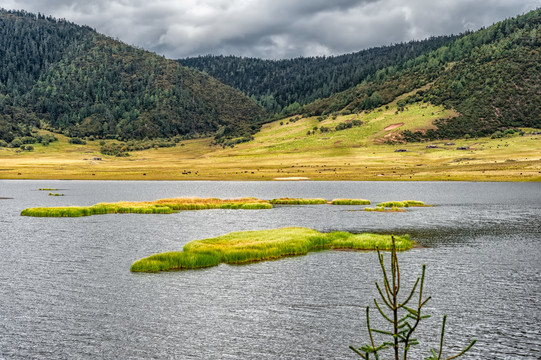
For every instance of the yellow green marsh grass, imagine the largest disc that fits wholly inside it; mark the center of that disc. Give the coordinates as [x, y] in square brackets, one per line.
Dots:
[297, 201]
[383, 209]
[162, 206]
[55, 194]
[248, 203]
[251, 246]
[350, 202]
[401, 204]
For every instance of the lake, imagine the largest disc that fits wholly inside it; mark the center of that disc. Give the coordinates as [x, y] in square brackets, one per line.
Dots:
[66, 290]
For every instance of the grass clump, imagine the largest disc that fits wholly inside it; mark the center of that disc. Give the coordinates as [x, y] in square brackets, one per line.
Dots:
[98, 209]
[297, 201]
[248, 203]
[383, 209]
[250, 246]
[401, 204]
[350, 202]
[48, 189]
[174, 260]
[163, 206]
[55, 194]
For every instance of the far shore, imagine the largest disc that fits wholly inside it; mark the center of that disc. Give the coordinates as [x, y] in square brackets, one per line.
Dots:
[509, 159]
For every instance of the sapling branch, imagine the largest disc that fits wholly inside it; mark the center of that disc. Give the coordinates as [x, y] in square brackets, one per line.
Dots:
[438, 356]
[402, 329]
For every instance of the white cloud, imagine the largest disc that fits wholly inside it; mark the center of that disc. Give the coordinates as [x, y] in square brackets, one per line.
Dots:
[274, 28]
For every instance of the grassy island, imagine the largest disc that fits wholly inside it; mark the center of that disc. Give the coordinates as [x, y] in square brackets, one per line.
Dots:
[250, 246]
[162, 206]
[401, 204]
[317, 201]
[297, 201]
[350, 202]
[383, 209]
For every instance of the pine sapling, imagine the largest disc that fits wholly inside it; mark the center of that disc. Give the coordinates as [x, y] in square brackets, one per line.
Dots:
[403, 319]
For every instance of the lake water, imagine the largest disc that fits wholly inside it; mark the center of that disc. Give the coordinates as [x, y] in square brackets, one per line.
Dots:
[66, 290]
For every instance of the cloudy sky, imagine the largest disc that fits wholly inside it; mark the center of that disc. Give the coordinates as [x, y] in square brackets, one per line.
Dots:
[274, 28]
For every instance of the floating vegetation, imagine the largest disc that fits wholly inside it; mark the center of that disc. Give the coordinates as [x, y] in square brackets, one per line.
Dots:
[350, 202]
[404, 203]
[251, 246]
[48, 189]
[383, 209]
[55, 194]
[163, 206]
[297, 201]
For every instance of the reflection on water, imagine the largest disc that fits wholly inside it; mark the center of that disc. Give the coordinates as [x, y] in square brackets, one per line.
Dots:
[66, 290]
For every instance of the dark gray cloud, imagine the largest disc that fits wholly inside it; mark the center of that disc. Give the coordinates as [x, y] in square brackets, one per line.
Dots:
[274, 28]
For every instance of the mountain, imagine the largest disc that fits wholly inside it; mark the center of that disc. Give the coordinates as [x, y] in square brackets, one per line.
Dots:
[283, 85]
[490, 77]
[67, 78]
[62, 76]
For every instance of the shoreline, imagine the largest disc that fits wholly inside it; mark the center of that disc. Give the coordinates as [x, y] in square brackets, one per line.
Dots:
[233, 179]
[513, 159]
[420, 179]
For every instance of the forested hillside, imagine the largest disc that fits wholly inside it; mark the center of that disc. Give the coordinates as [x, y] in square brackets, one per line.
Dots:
[491, 77]
[68, 78]
[283, 85]
[62, 76]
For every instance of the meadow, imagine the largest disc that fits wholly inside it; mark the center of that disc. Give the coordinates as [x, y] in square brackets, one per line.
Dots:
[250, 246]
[298, 149]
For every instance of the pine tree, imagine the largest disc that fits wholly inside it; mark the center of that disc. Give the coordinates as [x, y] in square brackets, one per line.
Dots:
[403, 319]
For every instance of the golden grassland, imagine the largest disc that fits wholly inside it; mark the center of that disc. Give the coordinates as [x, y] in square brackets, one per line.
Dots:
[250, 246]
[287, 152]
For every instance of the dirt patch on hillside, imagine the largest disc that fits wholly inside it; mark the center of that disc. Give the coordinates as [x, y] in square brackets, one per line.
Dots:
[393, 126]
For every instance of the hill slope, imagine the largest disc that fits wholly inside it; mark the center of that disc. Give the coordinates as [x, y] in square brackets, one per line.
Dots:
[278, 84]
[70, 78]
[491, 77]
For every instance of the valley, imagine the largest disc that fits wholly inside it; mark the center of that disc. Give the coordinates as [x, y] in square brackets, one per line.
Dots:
[283, 150]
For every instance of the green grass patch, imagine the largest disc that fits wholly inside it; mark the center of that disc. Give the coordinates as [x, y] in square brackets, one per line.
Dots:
[163, 206]
[251, 246]
[401, 204]
[55, 194]
[350, 202]
[297, 201]
[47, 189]
[383, 209]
